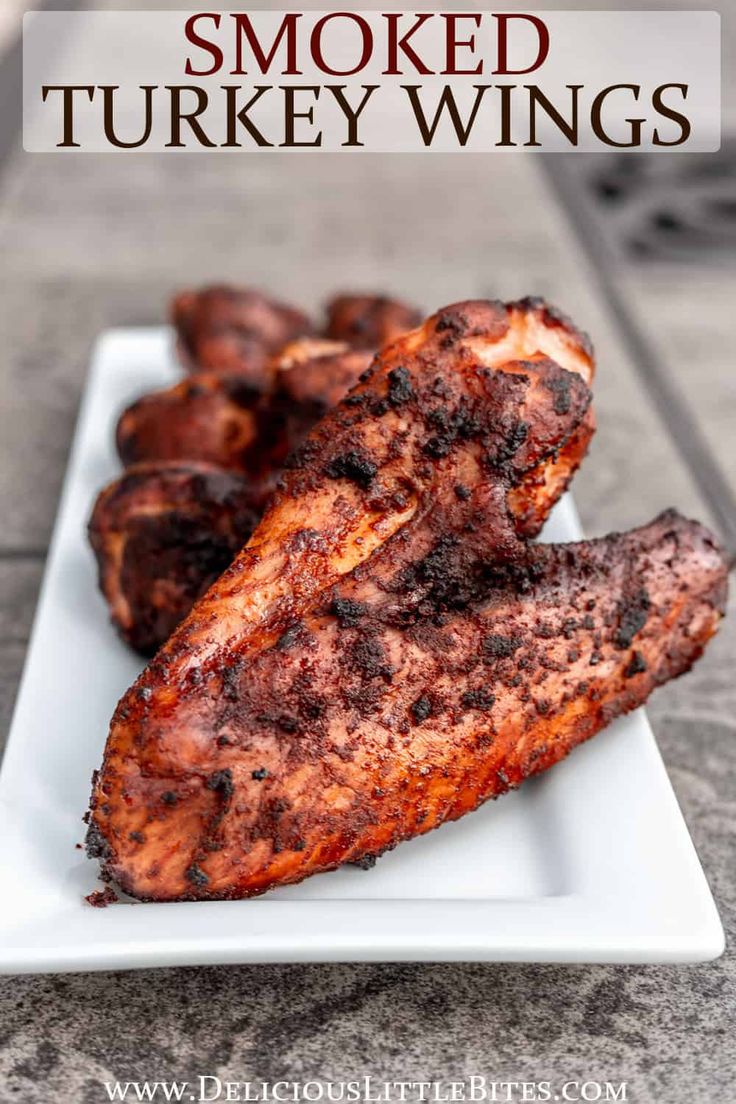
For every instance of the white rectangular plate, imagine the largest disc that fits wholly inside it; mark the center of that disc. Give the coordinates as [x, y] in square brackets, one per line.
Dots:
[590, 863]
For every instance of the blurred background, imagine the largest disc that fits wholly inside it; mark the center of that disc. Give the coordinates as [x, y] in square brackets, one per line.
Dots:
[641, 251]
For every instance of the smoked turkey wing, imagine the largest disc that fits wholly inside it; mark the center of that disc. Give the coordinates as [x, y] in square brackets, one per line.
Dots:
[234, 330]
[423, 452]
[162, 533]
[317, 372]
[381, 714]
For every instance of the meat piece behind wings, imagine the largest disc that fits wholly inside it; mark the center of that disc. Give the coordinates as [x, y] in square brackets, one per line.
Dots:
[311, 376]
[162, 533]
[418, 463]
[206, 417]
[201, 420]
[223, 420]
[369, 321]
[316, 372]
[234, 331]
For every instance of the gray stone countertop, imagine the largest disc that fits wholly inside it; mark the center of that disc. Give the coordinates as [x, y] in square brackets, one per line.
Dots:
[89, 242]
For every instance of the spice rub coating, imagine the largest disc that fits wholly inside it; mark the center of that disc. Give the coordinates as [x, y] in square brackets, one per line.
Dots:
[224, 420]
[414, 430]
[402, 700]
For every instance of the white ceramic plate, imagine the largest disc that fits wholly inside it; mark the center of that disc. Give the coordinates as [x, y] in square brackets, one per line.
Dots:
[591, 862]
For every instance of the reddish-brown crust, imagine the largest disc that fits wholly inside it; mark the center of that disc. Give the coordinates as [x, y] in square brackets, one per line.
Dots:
[233, 330]
[426, 417]
[386, 712]
[101, 898]
[369, 321]
[162, 533]
[404, 489]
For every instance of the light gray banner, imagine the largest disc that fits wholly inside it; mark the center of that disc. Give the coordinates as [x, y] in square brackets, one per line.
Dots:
[369, 81]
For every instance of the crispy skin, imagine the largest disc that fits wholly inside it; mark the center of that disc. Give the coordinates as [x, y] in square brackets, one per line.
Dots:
[206, 417]
[234, 331]
[416, 463]
[369, 321]
[162, 533]
[381, 715]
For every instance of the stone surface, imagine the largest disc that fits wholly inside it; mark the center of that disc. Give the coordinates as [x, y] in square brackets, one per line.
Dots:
[92, 241]
[19, 583]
